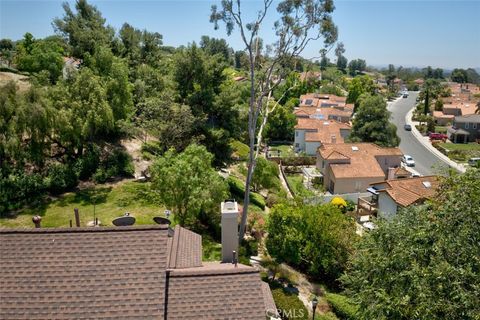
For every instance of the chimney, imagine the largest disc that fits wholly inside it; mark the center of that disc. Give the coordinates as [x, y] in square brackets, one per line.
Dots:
[334, 139]
[37, 220]
[229, 210]
[391, 173]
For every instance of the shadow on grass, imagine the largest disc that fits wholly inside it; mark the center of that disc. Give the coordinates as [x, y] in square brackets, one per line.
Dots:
[88, 196]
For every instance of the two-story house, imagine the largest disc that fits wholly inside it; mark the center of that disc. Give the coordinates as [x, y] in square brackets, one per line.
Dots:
[352, 167]
[465, 129]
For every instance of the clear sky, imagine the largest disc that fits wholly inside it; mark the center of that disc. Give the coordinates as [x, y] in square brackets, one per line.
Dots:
[440, 33]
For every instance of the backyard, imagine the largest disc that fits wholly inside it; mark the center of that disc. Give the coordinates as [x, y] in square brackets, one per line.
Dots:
[110, 202]
[460, 151]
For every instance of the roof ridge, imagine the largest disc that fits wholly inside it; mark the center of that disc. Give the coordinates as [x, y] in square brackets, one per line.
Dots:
[82, 229]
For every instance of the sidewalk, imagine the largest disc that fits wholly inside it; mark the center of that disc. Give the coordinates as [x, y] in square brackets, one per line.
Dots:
[426, 142]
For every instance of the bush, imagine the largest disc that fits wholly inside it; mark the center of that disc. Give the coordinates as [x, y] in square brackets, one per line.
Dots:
[118, 163]
[151, 148]
[350, 205]
[18, 189]
[289, 305]
[61, 177]
[327, 316]
[88, 164]
[342, 306]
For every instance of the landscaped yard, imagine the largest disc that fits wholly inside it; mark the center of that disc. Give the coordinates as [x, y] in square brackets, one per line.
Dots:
[295, 181]
[461, 151]
[111, 202]
[286, 150]
[440, 129]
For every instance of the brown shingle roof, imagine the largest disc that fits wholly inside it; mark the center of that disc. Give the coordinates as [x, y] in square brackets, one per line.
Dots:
[96, 273]
[231, 293]
[322, 130]
[185, 250]
[120, 273]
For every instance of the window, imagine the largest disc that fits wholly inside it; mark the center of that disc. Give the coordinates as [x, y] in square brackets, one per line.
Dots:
[466, 125]
[323, 164]
[297, 145]
[296, 133]
[474, 125]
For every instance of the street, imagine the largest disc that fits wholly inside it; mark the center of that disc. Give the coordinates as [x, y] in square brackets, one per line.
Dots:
[426, 163]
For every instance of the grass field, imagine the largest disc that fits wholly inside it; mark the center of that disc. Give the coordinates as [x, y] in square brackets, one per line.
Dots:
[461, 146]
[295, 181]
[461, 151]
[286, 150]
[110, 202]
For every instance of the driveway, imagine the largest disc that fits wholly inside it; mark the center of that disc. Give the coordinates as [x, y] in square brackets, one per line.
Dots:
[426, 162]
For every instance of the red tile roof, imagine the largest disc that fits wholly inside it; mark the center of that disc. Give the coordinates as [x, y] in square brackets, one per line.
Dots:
[362, 159]
[411, 190]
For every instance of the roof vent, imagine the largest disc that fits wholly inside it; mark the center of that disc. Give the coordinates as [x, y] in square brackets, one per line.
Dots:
[354, 148]
[427, 184]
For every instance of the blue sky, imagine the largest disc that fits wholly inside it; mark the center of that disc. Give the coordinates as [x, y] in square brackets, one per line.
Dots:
[439, 33]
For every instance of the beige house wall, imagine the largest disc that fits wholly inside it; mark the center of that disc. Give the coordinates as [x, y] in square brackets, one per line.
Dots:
[389, 162]
[353, 184]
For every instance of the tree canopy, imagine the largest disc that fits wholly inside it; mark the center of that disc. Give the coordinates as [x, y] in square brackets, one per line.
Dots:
[371, 123]
[187, 183]
[424, 264]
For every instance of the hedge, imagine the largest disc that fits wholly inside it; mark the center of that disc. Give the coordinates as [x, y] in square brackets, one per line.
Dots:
[342, 306]
[289, 305]
[237, 188]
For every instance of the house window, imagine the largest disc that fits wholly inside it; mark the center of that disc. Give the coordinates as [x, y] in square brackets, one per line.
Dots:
[323, 164]
[474, 125]
[466, 125]
[297, 145]
[296, 133]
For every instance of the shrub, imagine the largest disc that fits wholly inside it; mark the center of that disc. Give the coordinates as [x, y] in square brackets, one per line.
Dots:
[88, 164]
[289, 305]
[350, 205]
[342, 306]
[17, 188]
[151, 148]
[61, 177]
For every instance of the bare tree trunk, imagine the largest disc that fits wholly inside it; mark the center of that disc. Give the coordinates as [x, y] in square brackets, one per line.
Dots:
[251, 154]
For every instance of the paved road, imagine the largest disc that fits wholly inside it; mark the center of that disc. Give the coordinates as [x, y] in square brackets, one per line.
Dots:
[426, 162]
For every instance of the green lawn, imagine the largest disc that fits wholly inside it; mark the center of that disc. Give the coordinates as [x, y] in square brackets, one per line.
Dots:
[461, 146]
[461, 151]
[440, 129]
[111, 202]
[295, 181]
[286, 150]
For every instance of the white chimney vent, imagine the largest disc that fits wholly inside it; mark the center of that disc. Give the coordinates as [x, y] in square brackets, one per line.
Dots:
[229, 211]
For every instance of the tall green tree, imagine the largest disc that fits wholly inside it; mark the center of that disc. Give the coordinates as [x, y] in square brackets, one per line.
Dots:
[300, 22]
[424, 264]
[359, 86]
[84, 29]
[371, 123]
[187, 183]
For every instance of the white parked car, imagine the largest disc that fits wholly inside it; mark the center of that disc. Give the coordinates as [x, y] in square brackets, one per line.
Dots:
[408, 160]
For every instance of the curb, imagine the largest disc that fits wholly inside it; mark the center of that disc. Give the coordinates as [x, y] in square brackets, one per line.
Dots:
[432, 149]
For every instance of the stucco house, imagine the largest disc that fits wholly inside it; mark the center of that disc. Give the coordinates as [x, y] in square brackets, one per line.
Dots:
[129, 272]
[311, 133]
[465, 129]
[352, 167]
[391, 195]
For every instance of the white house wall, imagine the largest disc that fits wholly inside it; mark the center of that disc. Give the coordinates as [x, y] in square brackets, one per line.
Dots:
[311, 148]
[387, 208]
